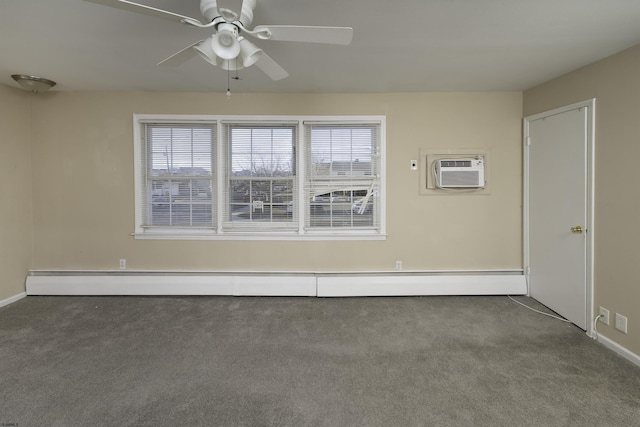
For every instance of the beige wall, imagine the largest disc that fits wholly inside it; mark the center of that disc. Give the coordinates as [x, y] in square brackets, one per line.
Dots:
[15, 191]
[615, 82]
[83, 184]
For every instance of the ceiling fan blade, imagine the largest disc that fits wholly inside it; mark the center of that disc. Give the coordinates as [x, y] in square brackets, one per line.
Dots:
[297, 33]
[246, 12]
[211, 10]
[271, 67]
[145, 10]
[181, 56]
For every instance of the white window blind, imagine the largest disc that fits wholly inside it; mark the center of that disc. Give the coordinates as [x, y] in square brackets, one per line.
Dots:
[342, 176]
[259, 177]
[260, 173]
[178, 172]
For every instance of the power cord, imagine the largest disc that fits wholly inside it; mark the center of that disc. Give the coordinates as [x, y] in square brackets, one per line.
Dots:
[538, 311]
[595, 326]
[595, 321]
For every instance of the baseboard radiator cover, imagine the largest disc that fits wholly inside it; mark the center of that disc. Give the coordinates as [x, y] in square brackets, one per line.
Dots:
[421, 284]
[276, 284]
[172, 284]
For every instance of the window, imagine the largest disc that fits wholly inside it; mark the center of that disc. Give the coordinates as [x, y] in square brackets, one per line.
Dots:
[343, 179]
[224, 177]
[260, 177]
[178, 169]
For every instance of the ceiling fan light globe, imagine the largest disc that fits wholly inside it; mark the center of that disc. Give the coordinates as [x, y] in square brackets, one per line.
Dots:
[225, 45]
[225, 39]
[205, 50]
[249, 52]
[232, 64]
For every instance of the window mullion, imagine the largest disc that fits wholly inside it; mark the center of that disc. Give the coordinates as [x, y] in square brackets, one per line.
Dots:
[303, 153]
[222, 176]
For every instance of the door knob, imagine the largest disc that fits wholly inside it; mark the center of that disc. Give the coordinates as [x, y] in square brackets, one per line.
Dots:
[577, 229]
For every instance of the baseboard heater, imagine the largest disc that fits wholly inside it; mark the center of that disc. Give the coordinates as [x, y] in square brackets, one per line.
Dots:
[337, 284]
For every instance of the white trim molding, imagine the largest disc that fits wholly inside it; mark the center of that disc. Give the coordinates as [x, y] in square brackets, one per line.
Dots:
[320, 284]
[620, 350]
[12, 299]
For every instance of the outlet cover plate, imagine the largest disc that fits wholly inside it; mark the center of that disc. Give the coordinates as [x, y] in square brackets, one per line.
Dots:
[621, 323]
[605, 315]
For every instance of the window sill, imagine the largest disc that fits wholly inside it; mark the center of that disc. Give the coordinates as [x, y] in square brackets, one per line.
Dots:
[262, 236]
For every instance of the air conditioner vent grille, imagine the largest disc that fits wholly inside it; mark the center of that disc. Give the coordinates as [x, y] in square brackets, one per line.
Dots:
[455, 163]
[459, 173]
[460, 179]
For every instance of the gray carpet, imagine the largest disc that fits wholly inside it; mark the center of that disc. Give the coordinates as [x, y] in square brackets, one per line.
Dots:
[224, 361]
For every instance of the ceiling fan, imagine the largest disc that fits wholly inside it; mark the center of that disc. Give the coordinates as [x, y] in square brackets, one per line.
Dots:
[227, 47]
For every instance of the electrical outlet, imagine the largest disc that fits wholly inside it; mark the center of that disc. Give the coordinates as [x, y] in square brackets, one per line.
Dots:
[123, 264]
[398, 265]
[621, 323]
[604, 313]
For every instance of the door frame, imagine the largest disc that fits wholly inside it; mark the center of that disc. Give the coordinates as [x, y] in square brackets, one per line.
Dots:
[590, 104]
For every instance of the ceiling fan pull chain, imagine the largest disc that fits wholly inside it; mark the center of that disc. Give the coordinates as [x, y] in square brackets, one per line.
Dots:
[236, 77]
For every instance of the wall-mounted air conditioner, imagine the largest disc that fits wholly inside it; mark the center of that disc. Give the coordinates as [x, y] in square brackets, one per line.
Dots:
[459, 173]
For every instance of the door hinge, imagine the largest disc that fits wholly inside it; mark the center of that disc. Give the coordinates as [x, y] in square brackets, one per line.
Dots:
[527, 271]
[527, 141]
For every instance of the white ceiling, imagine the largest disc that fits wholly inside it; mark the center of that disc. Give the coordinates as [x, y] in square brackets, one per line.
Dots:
[398, 46]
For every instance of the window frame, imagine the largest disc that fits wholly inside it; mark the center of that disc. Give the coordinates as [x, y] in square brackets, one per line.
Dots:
[218, 231]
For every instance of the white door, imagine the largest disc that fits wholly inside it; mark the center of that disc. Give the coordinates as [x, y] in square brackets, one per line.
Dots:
[557, 206]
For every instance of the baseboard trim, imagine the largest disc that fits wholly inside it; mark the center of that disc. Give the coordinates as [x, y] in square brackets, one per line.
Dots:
[12, 299]
[276, 284]
[617, 348]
